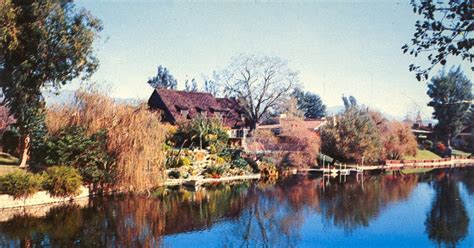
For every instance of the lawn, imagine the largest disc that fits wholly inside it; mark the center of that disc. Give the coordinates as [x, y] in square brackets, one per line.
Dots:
[422, 154]
[8, 163]
[460, 153]
[7, 159]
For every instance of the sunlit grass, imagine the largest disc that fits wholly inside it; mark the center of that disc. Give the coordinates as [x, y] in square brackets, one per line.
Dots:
[460, 153]
[422, 154]
[7, 159]
[5, 169]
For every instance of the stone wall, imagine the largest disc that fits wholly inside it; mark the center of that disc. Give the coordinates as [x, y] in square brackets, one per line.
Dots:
[37, 210]
[41, 197]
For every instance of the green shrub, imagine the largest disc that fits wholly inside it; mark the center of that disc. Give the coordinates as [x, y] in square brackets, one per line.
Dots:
[10, 141]
[71, 146]
[20, 184]
[62, 181]
[428, 144]
[174, 174]
[201, 132]
[240, 163]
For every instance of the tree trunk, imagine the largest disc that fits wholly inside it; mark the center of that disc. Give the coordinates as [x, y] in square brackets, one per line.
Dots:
[26, 151]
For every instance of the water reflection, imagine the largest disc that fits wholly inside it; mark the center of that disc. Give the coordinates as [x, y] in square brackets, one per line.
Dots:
[256, 214]
[351, 205]
[447, 222]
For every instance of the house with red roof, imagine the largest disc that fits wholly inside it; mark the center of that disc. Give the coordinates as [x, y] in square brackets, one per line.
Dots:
[175, 106]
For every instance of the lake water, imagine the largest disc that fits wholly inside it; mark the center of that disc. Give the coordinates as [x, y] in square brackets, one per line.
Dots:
[415, 210]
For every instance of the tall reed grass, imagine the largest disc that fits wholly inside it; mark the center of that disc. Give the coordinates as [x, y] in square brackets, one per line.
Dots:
[135, 136]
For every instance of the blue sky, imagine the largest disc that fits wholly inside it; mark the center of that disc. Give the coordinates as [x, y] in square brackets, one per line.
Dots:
[338, 47]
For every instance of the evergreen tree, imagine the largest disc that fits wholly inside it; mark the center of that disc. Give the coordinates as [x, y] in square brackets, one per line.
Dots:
[313, 106]
[43, 44]
[470, 123]
[451, 96]
[191, 86]
[163, 79]
[310, 104]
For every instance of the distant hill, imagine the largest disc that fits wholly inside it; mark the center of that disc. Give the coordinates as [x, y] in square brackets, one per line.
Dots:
[65, 97]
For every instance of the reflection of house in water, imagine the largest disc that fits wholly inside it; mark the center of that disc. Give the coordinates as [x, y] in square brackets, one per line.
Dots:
[178, 106]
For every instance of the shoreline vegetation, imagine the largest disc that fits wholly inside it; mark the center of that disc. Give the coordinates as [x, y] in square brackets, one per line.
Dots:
[97, 143]
[253, 117]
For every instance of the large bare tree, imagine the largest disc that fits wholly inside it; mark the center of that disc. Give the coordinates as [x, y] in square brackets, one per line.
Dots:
[261, 83]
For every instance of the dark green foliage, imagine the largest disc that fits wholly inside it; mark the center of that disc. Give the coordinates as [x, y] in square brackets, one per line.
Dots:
[451, 96]
[42, 44]
[352, 137]
[20, 184]
[72, 147]
[163, 79]
[62, 181]
[447, 222]
[234, 157]
[428, 144]
[240, 163]
[310, 104]
[444, 30]
[174, 174]
[470, 123]
[10, 141]
[215, 170]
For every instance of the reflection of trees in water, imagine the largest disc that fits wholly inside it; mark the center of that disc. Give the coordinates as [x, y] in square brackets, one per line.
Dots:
[275, 214]
[468, 180]
[351, 205]
[447, 222]
[267, 221]
[124, 221]
[261, 214]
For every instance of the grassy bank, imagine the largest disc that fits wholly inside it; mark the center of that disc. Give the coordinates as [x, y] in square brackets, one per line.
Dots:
[422, 154]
